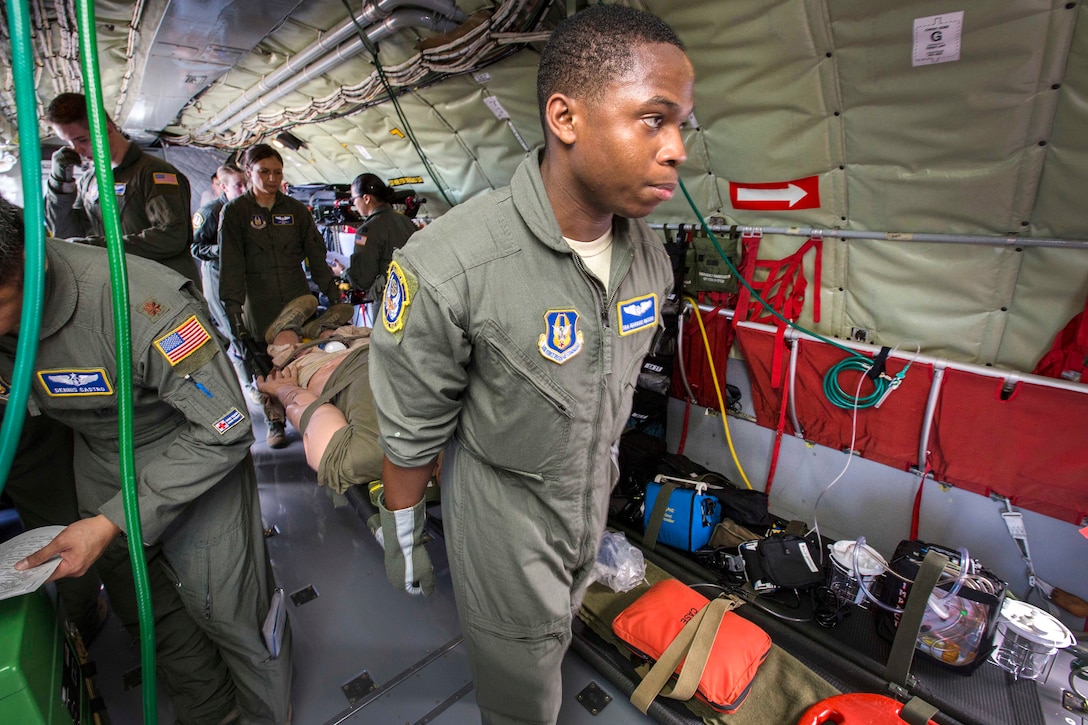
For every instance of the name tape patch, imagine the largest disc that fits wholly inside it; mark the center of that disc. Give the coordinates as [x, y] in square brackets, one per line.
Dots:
[119, 189]
[637, 313]
[282, 219]
[228, 421]
[182, 341]
[75, 383]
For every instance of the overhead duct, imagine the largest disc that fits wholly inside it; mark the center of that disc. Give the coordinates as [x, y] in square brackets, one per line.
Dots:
[328, 43]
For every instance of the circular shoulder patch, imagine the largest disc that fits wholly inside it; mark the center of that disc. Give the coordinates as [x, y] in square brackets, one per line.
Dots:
[198, 220]
[397, 299]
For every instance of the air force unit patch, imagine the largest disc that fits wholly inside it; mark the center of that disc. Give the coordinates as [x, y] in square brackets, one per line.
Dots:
[228, 421]
[5, 390]
[562, 339]
[397, 299]
[75, 383]
[637, 313]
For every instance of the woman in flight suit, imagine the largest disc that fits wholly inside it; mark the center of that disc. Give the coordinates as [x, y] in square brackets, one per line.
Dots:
[264, 238]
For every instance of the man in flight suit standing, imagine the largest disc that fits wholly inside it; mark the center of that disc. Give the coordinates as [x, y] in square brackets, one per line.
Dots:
[513, 329]
[197, 488]
[153, 196]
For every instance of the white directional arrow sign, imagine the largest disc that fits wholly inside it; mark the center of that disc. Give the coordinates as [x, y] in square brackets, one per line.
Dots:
[783, 195]
[791, 194]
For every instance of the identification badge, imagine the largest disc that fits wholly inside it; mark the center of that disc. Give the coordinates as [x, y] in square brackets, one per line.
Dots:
[162, 178]
[283, 219]
[182, 341]
[397, 299]
[75, 383]
[562, 339]
[257, 221]
[638, 313]
[228, 421]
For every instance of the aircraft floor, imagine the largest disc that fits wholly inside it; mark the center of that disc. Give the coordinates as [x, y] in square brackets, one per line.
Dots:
[363, 652]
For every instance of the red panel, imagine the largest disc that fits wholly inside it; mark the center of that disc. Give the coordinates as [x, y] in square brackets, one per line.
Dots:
[888, 434]
[1031, 448]
[696, 365]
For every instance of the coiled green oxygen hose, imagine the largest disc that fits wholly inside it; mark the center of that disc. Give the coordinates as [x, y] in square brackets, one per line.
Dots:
[96, 117]
[34, 275]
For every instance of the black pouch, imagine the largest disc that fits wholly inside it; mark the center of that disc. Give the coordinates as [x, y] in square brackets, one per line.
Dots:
[782, 561]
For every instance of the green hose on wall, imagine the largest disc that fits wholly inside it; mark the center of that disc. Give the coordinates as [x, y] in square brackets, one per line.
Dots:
[30, 321]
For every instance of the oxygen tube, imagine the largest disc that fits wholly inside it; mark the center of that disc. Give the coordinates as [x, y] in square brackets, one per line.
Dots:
[34, 265]
[96, 117]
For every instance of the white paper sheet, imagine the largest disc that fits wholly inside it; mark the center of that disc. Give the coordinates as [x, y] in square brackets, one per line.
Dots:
[14, 582]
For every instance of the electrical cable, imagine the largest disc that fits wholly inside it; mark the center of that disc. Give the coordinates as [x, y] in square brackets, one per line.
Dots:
[96, 121]
[396, 105]
[718, 391]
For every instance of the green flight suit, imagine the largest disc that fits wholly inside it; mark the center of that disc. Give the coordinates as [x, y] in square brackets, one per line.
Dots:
[206, 249]
[261, 252]
[523, 366]
[352, 456]
[42, 486]
[197, 488]
[153, 204]
[385, 230]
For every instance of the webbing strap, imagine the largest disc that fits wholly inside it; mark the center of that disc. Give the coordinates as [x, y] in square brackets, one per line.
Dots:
[695, 642]
[344, 379]
[653, 526]
[917, 711]
[906, 636]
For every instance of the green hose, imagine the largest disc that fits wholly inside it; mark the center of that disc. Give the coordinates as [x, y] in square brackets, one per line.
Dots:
[832, 389]
[96, 117]
[34, 275]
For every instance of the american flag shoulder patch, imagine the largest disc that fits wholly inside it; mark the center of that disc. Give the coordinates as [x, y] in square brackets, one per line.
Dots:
[163, 178]
[182, 341]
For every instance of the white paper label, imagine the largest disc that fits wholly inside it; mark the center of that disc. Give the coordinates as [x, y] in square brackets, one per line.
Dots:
[482, 78]
[496, 108]
[803, 547]
[363, 152]
[937, 38]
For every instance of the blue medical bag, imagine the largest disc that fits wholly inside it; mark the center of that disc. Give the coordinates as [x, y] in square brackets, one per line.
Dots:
[688, 520]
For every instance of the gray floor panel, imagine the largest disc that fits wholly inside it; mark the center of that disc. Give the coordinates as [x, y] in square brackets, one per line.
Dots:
[357, 624]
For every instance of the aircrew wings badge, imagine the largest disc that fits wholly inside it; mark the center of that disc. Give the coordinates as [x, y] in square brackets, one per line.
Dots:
[562, 339]
[182, 341]
[397, 298]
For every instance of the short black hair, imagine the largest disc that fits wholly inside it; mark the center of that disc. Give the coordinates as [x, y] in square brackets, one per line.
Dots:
[67, 108]
[371, 184]
[12, 244]
[259, 152]
[590, 49]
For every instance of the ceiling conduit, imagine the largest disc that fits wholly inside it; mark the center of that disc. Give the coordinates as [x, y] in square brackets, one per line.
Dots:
[297, 68]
